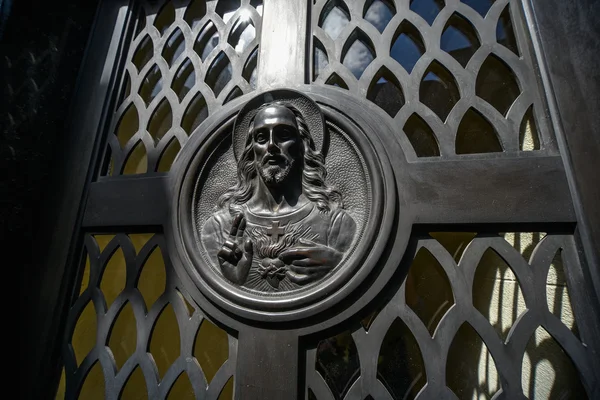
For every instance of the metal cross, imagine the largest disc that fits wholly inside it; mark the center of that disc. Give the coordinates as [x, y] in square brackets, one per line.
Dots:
[275, 231]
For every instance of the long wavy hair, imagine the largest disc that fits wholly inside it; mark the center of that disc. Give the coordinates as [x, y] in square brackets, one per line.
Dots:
[314, 173]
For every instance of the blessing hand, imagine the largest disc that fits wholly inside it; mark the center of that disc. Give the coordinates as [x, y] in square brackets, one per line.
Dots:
[309, 261]
[235, 257]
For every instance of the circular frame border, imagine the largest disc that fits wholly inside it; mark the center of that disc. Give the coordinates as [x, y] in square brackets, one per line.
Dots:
[320, 316]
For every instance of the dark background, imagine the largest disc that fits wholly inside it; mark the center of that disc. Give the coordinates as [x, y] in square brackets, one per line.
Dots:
[42, 45]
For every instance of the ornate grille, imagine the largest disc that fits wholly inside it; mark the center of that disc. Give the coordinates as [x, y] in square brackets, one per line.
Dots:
[185, 61]
[132, 330]
[456, 77]
[475, 315]
[473, 319]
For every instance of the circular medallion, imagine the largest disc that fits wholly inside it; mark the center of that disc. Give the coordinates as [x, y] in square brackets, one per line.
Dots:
[282, 208]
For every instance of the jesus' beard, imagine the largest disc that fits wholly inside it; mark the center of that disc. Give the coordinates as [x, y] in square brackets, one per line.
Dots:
[275, 173]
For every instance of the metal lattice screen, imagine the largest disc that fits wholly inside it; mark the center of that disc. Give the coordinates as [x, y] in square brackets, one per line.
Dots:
[477, 316]
[132, 333]
[185, 61]
[457, 77]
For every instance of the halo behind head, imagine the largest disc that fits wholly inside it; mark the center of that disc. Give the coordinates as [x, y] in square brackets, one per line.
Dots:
[309, 109]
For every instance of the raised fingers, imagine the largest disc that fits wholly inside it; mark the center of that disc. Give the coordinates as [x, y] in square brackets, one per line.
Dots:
[307, 262]
[309, 270]
[225, 253]
[235, 225]
[294, 254]
[241, 227]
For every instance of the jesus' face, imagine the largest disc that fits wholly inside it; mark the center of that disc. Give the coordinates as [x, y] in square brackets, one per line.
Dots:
[276, 143]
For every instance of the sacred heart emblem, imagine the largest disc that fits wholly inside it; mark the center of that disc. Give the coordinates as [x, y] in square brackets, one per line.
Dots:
[272, 270]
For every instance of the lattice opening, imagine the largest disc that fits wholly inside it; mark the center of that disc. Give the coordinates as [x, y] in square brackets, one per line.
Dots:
[257, 4]
[368, 320]
[235, 93]
[421, 137]
[151, 85]
[174, 47]
[125, 88]
[497, 293]
[62, 386]
[165, 18]
[386, 92]
[320, 58]
[185, 79]
[211, 348]
[83, 339]
[438, 90]
[249, 71]
[505, 34]
[93, 385]
[161, 120]
[400, 364]
[455, 243]
[428, 303]
[427, 9]
[139, 240]
[227, 391]
[557, 294]
[113, 278]
[528, 134]
[168, 156]
[379, 13]
[496, 84]
[334, 18]
[195, 114]
[122, 338]
[226, 8]
[547, 372]
[85, 279]
[135, 386]
[466, 351]
[524, 242]
[194, 12]
[476, 135]
[137, 161]
[144, 53]
[128, 125]
[242, 34]
[407, 46]
[153, 278]
[481, 6]
[336, 80]
[219, 73]
[141, 22]
[207, 40]
[337, 362]
[190, 309]
[459, 39]
[358, 53]
[165, 340]
[103, 241]
[182, 388]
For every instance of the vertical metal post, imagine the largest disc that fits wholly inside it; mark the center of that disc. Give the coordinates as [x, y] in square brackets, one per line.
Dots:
[282, 52]
[267, 365]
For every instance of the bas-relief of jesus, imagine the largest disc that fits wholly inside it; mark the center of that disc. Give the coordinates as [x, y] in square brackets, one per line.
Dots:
[281, 226]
